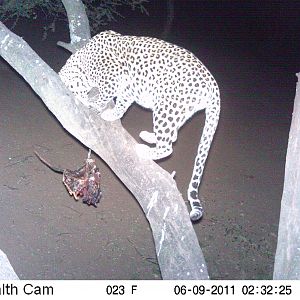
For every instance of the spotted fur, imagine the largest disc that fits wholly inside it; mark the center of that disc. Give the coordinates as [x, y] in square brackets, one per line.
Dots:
[157, 75]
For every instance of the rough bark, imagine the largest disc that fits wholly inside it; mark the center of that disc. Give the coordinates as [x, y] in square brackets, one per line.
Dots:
[178, 251]
[287, 259]
[78, 25]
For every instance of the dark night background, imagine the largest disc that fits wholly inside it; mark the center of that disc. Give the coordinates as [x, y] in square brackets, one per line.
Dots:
[252, 49]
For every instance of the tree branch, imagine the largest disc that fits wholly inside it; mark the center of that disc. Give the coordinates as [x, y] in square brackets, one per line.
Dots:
[178, 251]
[287, 258]
[78, 24]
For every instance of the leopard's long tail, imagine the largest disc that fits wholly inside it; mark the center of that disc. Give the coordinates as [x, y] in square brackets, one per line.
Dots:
[212, 113]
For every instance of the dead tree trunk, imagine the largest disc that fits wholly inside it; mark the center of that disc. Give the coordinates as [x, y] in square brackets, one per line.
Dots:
[287, 259]
[178, 251]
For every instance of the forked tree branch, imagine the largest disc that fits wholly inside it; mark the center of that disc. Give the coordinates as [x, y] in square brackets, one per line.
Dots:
[78, 25]
[178, 251]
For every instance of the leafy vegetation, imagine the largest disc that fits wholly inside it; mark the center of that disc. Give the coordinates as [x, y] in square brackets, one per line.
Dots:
[100, 12]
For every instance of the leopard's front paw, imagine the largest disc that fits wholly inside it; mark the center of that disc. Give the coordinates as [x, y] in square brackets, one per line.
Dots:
[109, 115]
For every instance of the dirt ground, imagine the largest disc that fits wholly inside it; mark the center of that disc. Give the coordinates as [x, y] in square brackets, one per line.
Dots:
[48, 235]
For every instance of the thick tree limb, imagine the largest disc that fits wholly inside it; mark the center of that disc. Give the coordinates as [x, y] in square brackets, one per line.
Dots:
[78, 24]
[287, 259]
[178, 251]
[7, 272]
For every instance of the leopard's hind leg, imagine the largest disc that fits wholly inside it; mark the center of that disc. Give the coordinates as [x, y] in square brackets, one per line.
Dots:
[163, 135]
[148, 137]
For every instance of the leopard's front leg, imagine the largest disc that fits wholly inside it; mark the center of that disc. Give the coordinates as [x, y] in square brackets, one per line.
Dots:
[117, 112]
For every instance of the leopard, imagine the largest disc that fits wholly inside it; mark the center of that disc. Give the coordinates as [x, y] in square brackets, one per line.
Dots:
[157, 75]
